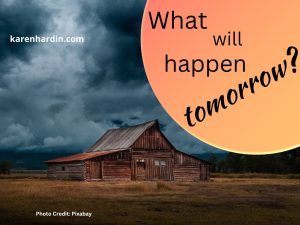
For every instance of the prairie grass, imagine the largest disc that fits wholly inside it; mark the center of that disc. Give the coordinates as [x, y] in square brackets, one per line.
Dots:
[163, 186]
[255, 175]
[222, 201]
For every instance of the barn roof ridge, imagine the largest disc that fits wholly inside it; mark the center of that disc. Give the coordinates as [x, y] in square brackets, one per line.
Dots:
[133, 126]
[121, 138]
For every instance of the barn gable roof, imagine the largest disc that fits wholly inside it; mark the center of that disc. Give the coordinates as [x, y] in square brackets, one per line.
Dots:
[116, 140]
[121, 138]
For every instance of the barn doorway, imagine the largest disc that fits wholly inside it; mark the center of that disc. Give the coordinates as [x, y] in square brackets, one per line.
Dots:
[95, 170]
[141, 170]
[203, 172]
[162, 170]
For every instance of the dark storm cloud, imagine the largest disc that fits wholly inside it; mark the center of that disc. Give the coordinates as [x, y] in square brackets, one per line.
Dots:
[19, 18]
[117, 89]
[57, 107]
[66, 96]
[116, 101]
[117, 122]
[116, 85]
[113, 40]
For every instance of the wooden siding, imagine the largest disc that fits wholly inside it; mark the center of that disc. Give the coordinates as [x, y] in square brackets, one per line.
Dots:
[93, 169]
[184, 159]
[186, 172]
[152, 169]
[187, 168]
[66, 171]
[149, 148]
[204, 172]
[116, 170]
[124, 155]
[152, 139]
[115, 166]
[107, 170]
[151, 153]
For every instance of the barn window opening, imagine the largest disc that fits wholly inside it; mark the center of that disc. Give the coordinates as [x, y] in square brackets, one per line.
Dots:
[63, 168]
[162, 163]
[159, 162]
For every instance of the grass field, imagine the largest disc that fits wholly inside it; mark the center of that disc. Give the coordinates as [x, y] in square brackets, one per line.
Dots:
[255, 201]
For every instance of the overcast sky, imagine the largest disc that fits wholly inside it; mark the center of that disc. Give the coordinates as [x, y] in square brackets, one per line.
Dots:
[64, 96]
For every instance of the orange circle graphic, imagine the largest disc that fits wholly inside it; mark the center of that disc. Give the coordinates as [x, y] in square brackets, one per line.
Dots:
[227, 71]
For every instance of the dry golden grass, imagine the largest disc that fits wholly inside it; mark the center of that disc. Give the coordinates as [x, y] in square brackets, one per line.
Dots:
[23, 175]
[221, 201]
[255, 175]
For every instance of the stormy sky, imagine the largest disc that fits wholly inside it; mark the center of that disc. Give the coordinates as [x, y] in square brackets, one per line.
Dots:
[65, 95]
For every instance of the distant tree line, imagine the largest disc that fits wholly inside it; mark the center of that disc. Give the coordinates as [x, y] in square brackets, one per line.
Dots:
[5, 167]
[285, 162]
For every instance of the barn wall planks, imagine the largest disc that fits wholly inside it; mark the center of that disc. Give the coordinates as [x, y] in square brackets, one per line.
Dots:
[186, 172]
[116, 170]
[66, 171]
[151, 153]
[189, 168]
[204, 172]
[114, 166]
[152, 139]
[182, 158]
[152, 169]
[159, 171]
[152, 157]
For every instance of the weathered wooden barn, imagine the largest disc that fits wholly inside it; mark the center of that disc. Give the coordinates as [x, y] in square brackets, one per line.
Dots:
[140, 152]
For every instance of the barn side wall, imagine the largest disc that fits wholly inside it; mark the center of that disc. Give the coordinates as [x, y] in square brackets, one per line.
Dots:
[151, 147]
[186, 172]
[148, 168]
[115, 166]
[187, 168]
[66, 171]
[116, 170]
[204, 171]
[152, 156]
[152, 164]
